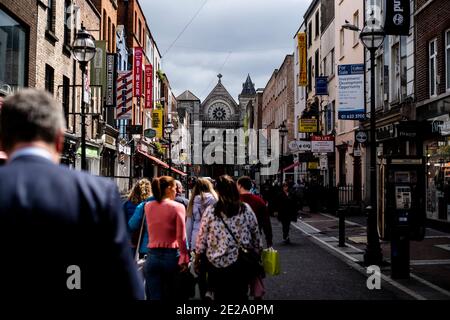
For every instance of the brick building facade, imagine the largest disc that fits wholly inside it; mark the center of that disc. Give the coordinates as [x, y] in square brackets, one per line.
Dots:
[23, 13]
[432, 88]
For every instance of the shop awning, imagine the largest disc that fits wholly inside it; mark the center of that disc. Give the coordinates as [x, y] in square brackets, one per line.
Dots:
[3, 155]
[289, 167]
[161, 163]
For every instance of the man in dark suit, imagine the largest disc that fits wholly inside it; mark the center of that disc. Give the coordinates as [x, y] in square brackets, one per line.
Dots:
[62, 232]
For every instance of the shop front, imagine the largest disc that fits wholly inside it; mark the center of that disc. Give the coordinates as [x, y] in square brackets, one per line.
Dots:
[436, 147]
[92, 158]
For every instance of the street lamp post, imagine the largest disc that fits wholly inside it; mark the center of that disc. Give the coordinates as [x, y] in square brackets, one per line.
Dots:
[83, 49]
[372, 38]
[283, 133]
[168, 130]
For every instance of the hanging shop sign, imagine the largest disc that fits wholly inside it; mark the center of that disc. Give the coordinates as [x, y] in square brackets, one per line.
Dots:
[321, 86]
[138, 54]
[307, 125]
[302, 75]
[148, 86]
[124, 95]
[157, 122]
[111, 74]
[397, 17]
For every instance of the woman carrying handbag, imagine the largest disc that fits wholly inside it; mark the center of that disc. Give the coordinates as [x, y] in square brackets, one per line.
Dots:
[227, 230]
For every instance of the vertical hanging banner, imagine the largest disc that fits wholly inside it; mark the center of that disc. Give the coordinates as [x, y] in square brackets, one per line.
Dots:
[351, 91]
[111, 74]
[124, 95]
[302, 75]
[138, 54]
[148, 86]
[397, 17]
[157, 122]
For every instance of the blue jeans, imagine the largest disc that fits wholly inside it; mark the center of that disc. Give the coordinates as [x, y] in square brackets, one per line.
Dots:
[160, 271]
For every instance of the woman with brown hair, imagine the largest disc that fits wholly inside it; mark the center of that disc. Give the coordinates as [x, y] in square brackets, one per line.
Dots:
[203, 195]
[167, 252]
[140, 192]
[225, 227]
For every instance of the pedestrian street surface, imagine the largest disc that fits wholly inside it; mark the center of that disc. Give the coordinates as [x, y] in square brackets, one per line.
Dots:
[310, 272]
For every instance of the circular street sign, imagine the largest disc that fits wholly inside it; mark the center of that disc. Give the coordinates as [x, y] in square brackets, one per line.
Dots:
[293, 146]
[361, 136]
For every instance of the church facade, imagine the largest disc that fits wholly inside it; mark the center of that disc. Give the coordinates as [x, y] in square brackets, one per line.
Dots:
[219, 118]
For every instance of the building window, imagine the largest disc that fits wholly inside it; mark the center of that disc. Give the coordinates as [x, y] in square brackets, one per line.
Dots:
[403, 69]
[447, 59]
[49, 78]
[316, 64]
[433, 67]
[113, 50]
[356, 23]
[109, 35]
[332, 62]
[104, 25]
[65, 97]
[325, 67]
[309, 74]
[395, 72]
[140, 32]
[67, 22]
[379, 77]
[13, 50]
[309, 34]
[317, 24]
[341, 43]
[50, 15]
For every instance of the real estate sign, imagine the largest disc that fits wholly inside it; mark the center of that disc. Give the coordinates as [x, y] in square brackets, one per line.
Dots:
[351, 92]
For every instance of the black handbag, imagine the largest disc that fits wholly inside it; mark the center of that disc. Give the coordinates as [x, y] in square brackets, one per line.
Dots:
[249, 261]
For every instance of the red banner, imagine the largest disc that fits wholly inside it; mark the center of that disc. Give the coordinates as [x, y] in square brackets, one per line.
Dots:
[138, 54]
[148, 86]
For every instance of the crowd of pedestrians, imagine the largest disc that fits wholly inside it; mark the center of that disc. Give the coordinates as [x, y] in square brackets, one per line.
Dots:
[185, 241]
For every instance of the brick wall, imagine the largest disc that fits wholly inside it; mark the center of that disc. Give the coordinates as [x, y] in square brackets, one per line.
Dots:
[25, 11]
[431, 23]
[108, 25]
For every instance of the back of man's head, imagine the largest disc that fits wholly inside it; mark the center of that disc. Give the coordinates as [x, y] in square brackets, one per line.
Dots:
[245, 182]
[30, 115]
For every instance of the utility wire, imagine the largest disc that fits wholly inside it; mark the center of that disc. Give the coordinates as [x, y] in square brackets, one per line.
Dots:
[185, 27]
[220, 70]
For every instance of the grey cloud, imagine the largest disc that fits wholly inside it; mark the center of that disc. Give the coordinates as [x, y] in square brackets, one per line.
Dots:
[257, 32]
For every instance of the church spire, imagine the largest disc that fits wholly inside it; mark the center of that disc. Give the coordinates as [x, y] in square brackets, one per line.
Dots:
[248, 88]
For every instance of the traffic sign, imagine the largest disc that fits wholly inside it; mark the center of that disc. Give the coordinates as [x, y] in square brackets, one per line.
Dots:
[361, 136]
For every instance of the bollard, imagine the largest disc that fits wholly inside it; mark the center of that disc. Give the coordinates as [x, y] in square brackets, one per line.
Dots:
[341, 215]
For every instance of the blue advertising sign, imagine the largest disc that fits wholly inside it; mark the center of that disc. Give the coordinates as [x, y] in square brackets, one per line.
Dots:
[351, 92]
[321, 86]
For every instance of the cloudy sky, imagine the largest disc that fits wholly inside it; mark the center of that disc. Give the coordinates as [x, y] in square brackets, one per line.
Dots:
[233, 37]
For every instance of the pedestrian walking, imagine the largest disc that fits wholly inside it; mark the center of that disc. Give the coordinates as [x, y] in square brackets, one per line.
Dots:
[179, 197]
[139, 194]
[287, 211]
[167, 252]
[137, 223]
[225, 227]
[203, 196]
[257, 289]
[62, 232]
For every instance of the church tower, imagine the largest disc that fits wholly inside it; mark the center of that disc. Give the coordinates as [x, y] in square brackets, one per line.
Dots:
[247, 98]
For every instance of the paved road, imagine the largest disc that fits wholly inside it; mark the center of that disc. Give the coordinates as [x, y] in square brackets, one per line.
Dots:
[309, 271]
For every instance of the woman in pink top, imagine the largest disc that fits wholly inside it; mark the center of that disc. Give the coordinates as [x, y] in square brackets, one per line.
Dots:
[167, 252]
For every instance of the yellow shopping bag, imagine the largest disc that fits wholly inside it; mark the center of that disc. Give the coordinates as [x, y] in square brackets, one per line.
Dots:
[271, 261]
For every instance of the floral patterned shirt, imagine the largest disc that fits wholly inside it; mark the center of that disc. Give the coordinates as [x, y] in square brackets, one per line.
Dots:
[215, 239]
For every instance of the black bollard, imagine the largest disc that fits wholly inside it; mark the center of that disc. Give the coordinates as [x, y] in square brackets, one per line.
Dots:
[341, 215]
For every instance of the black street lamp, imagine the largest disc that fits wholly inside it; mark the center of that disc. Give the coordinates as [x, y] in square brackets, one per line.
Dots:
[168, 130]
[83, 49]
[283, 133]
[372, 38]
